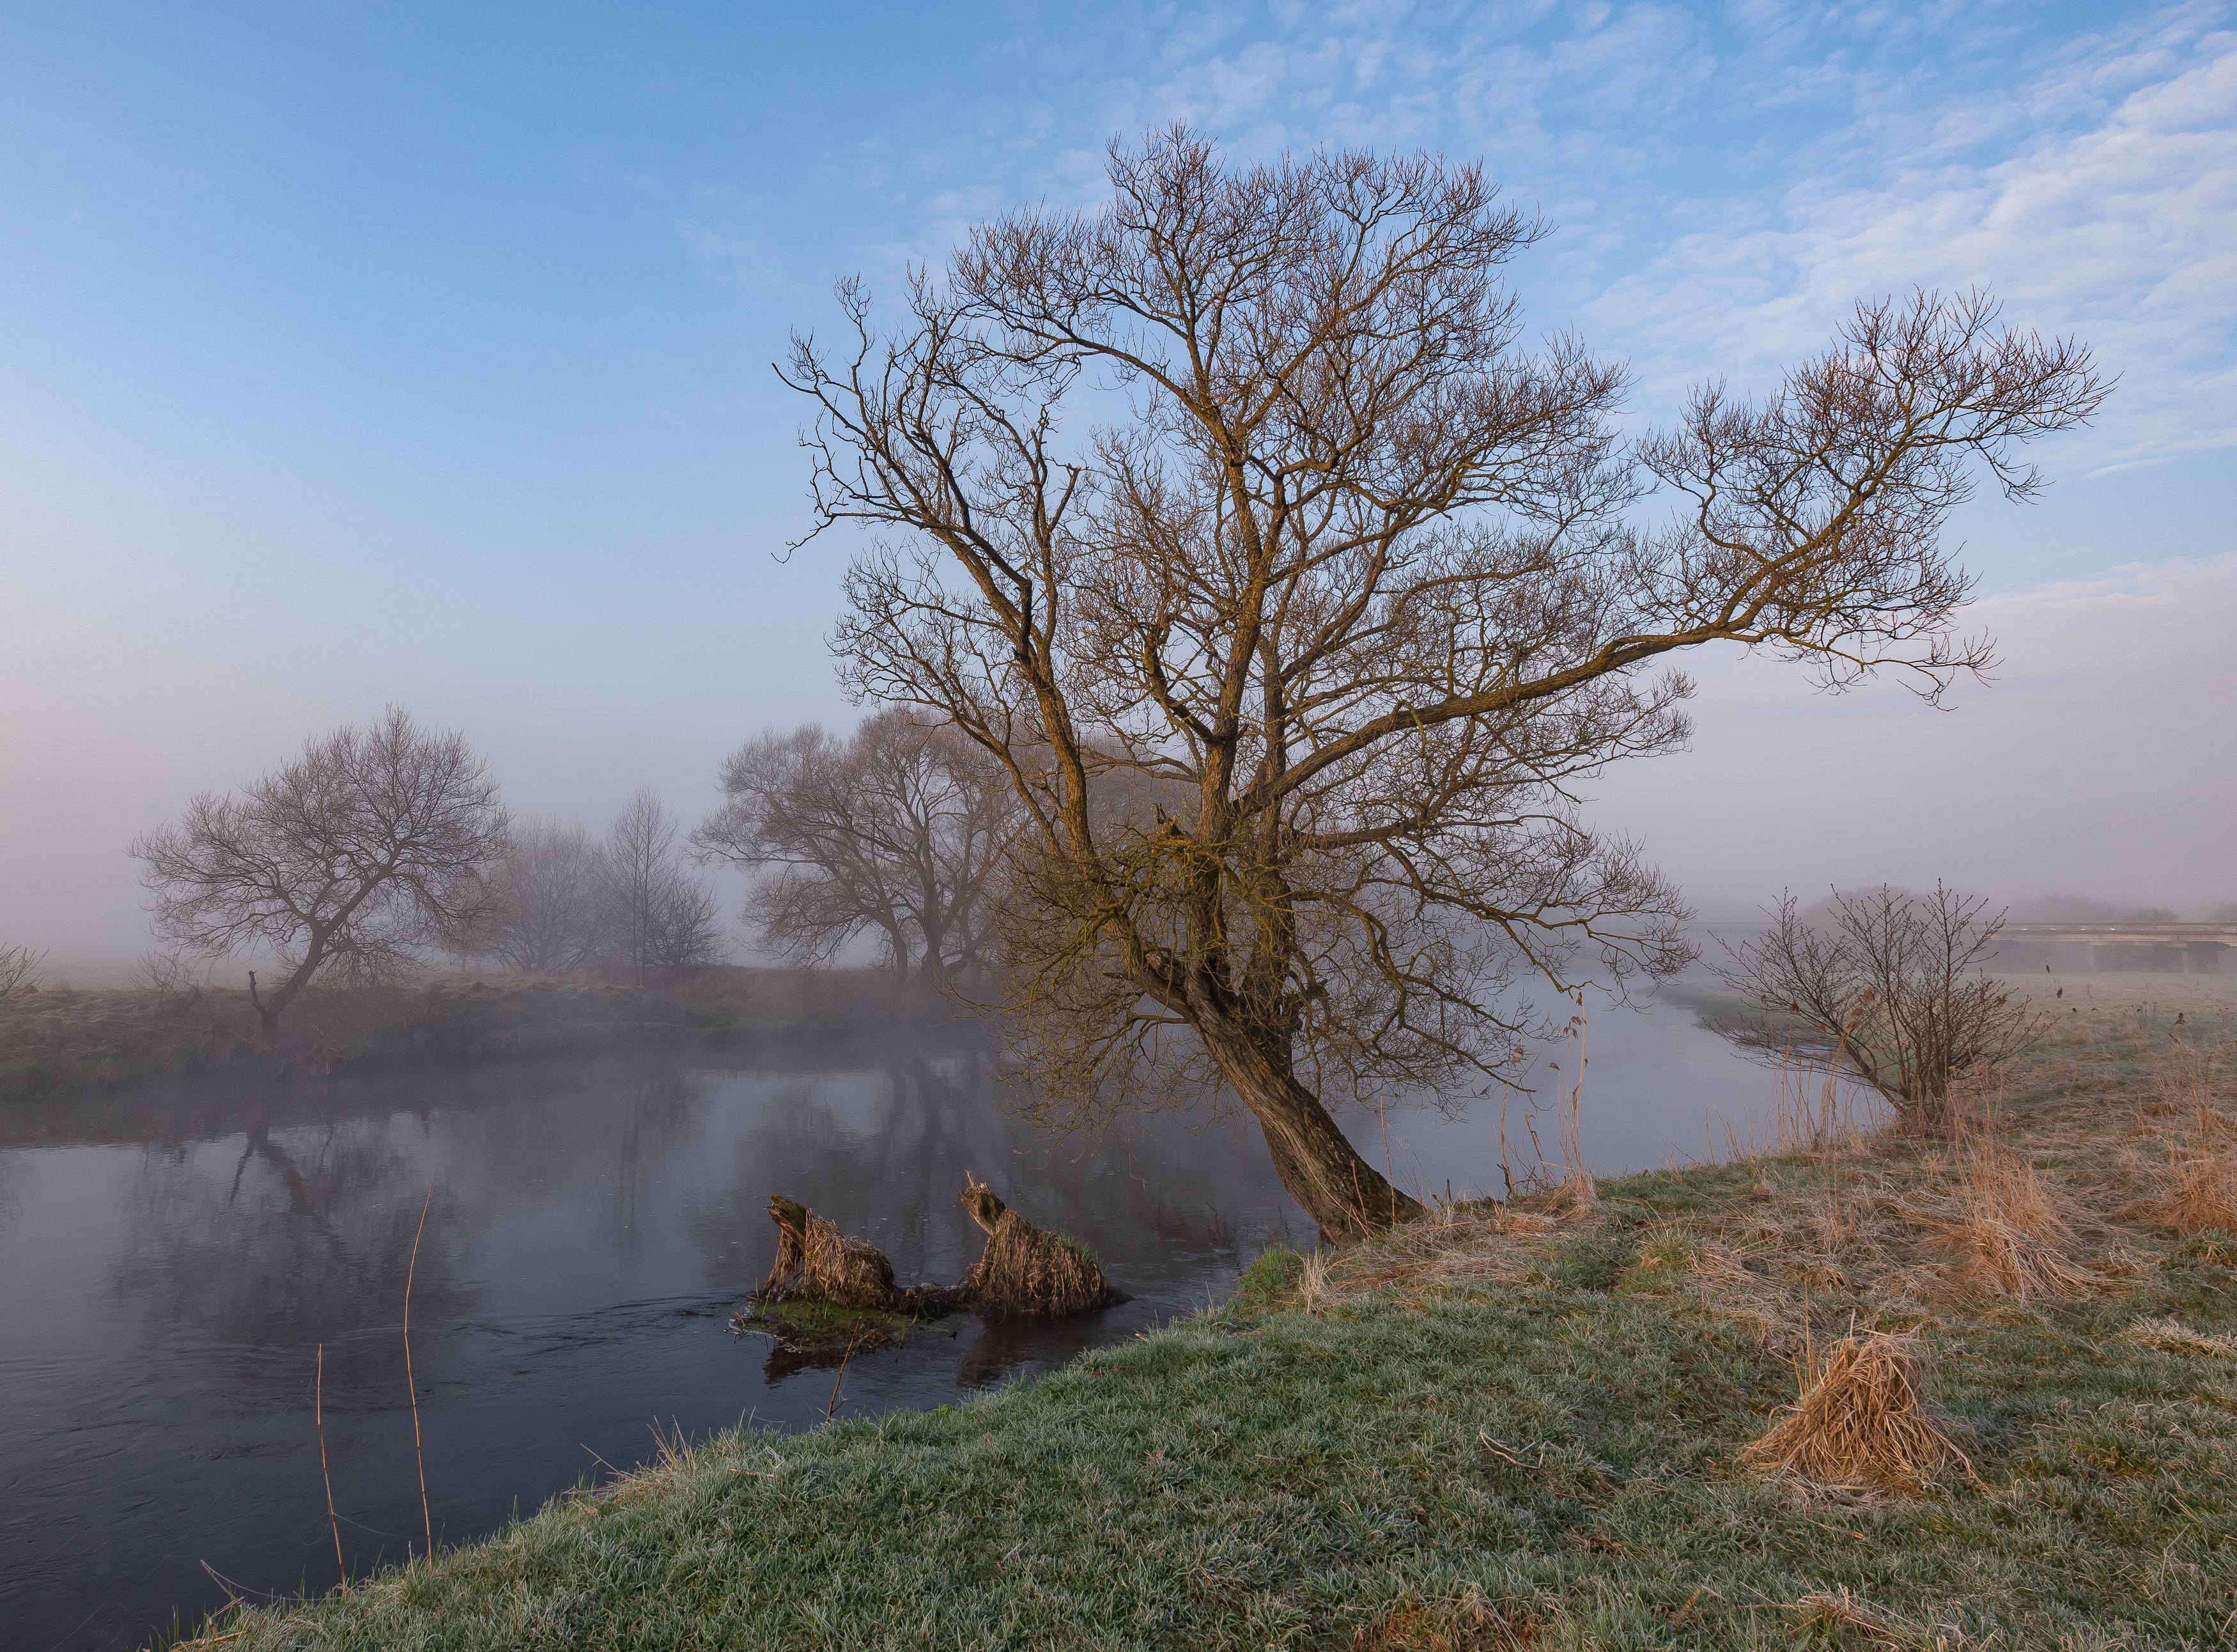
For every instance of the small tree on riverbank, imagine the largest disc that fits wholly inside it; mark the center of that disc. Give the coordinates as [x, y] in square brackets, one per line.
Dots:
[1354, 590]
[1893, 986]
[345, 862]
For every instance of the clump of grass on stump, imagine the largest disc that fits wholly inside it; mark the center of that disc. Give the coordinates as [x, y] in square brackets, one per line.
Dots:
[816, 1261]
[1026, 1270]
[1861, 1426]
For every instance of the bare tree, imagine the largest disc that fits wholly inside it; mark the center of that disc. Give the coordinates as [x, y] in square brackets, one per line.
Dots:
[541, 910]
[1362, 576]
[1893, 985]
[345, 861]
[655, 914]
[19, 972]
[895, 831]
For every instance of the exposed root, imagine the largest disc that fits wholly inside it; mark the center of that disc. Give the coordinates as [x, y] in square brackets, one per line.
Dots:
[1025, 1270]
[816, 1262]
[2171, 1336]
[1861, 1426]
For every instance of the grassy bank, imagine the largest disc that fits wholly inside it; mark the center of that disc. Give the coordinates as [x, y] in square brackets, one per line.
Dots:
[65, 1041]
[1518, 1426]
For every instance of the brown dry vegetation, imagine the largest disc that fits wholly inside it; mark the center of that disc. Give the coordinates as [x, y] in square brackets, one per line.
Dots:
[1025, 1270]
[61, 1041]
[1857, 1246]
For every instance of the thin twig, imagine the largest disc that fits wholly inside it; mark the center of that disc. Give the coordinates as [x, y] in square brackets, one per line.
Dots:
[417, 1450]
[319, 1418]
[832, 1405]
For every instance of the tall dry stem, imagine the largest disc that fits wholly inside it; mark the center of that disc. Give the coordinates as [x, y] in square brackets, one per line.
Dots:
[319, 1421]
[419, 1448]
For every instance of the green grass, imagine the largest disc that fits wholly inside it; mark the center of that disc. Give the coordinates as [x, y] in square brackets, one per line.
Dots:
[823, 1333]
[1557, 1441]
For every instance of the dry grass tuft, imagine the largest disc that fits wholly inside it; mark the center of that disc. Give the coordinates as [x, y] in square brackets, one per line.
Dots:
[2171, 1336]
[2016, 1230]
[1470, 1623]
[1861, 1426]
[2200, 1195]
[1837, 1609]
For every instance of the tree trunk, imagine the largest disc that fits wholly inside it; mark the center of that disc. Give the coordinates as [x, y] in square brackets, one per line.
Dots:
[1348, 1198]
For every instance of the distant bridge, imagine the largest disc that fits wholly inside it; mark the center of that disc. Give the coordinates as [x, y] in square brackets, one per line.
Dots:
[2174, 949]
[2192, 948]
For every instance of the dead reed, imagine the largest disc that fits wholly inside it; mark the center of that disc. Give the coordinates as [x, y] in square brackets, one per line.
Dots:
[2197, 1187]
[1861, 1426]
[319, 1421]
[419, 1448]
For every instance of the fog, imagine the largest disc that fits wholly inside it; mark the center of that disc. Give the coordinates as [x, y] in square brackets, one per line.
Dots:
[453, 391]
[2097, 762]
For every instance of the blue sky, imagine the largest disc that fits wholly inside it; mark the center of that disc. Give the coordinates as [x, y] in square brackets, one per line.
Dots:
[418, 353]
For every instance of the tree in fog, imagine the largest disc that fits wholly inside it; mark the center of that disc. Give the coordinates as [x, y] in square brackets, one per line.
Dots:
[1893, 986]
[894, 831]
[19, 972]
[541, 910]
[1364, 577]
[652, 912]
[345, 862]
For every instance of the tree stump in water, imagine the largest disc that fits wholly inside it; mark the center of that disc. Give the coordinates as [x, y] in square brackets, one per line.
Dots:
[816, 1262]
[1025, 1270]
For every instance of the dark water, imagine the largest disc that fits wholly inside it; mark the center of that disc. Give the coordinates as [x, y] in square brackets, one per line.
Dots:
[170, 1265]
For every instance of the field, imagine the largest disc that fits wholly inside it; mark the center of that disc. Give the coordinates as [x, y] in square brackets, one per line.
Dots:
[1529, 1425]
[63, 1041]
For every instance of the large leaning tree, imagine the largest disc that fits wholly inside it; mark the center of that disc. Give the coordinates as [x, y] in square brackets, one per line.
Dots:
[1293, 644]
[346, 862]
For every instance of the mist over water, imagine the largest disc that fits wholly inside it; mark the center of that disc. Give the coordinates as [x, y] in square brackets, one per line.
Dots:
[171, 1262]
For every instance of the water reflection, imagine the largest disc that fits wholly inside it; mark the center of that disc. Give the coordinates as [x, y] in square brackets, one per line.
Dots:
[170, 1262]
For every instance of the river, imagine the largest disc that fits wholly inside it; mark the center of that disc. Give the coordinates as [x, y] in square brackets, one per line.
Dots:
[176, 1264]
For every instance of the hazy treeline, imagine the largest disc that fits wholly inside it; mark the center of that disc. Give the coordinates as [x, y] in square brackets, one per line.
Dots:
[559, 900]
[380, 848]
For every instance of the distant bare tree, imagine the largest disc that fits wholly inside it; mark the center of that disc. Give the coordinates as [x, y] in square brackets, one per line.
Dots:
[895, 831]
[19, 972]
[542, 908]
[1361, 573]
[654, 914]
[345, 861]
[1893, 985]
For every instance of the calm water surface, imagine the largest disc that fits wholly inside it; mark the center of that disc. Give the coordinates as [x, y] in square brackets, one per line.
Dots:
[170, 1264]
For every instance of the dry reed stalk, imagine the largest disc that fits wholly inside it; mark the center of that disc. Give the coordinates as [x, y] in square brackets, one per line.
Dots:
[1861, 1425]
[319, 1421]
[418, 1449]
[2171, 1336]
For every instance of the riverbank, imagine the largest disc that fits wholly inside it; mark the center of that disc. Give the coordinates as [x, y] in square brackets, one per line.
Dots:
[1515, 1426]
[62, 1041]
